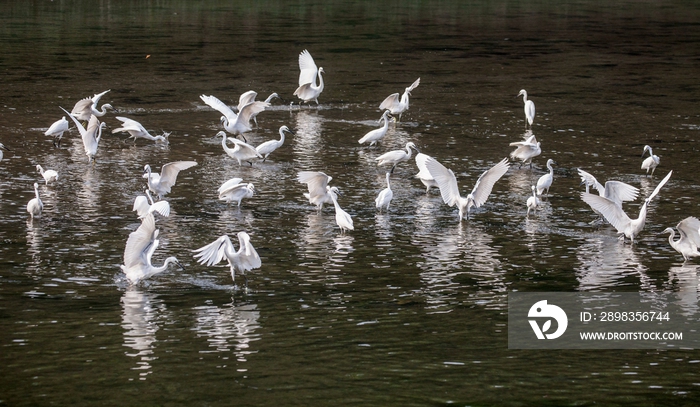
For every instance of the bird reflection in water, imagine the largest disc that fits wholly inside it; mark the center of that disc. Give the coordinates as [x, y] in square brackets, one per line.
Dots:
[228, 328]
[684, 284]
[308, 141]
[607, 263]
[141, 312]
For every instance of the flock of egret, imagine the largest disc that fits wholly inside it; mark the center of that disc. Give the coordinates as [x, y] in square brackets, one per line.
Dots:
[142, 243]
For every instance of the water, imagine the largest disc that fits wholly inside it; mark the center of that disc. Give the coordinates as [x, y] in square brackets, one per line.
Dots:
[408, 309]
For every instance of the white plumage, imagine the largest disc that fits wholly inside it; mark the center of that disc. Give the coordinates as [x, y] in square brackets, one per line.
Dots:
[385, 195]
[137, 131]
[235, 123]
[87, 107]
[244, 259]
[140, 246]
[234, 191]
[689, 241]
[529, 108]
[319, 191]
[423, 174]
[374, 136]
[161, 183]
[92, 136]
[545, 181]
[266, 148]
[143, 205]
[35, 206]
[526, 150]
[49, 175]
[396, 156]
[57, 129]
[308, 90]
[651, 162]
[396, 105]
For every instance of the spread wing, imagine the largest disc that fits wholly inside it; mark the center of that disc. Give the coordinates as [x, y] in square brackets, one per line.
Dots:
[214, 252]
[316, 181]
[141, 206]
[609, 209]
[129, 125]
[390, 101]
[215, 103]
[485, 183]
[229, 184]
[619, 192]
[658, 187]
[308, 68]
[423, 172]
[80, 127]
[246, 98]
[168, 174]
[248, 257]
[250, 110]
[141, 243]
[413, 85]
[690, 227]
[446, 180]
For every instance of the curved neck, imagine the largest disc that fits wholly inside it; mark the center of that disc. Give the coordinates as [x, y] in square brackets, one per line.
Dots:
[320, 81]
[281, 136]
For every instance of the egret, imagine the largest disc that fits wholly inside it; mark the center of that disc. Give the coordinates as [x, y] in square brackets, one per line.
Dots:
[689, 240]
[308, 90]
[385, 196]
[2, 147]
[447, 182]
[57, 129]
[239, 123]
[140, 246]
[527, 150]
[266, 148]
[545, 181]
[615, 191]
[651, 162]
[248, 98]
[396, 156]
[87, 107]
[233, 190]
[342, 218]
[49, 175]
[143, 205]
[92, 136]
[614, 214]
[376, 135]
[35, 206]
[241, 151]
[532, 202]
[137, 131]
[319, 191]
[241, 260]
[423, 174]
[529, 108]
[161, 183]
[396, 105]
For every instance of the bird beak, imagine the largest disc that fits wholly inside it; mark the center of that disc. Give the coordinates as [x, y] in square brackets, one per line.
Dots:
[181, 266]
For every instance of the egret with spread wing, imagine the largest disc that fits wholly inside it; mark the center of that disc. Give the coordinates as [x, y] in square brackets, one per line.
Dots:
[527, 150]
[137, 131]
[161, 183]
[143, 205]
[140, 246]
[233, 190]
[687, 245]
[91, 137]
[235, 123]
[87, 107]
[396, 105]
[319, 191]
[244, 259]
[308, 90]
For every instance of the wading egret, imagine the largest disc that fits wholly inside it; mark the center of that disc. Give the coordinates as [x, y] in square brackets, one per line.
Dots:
[423, 174]
[308, 90]
[266, 148]
[527, 150]
[615, 191]
[241, 151]
[49, 175]
[2, 147]
[529, 108]
[248, 98]
[319, 191]
[56, 130]
[396, 156]
[161, 183]
[91, 137]
[376, 135]
[234, 191]
[614, 214]
[396, 105]
[140, 246]
[651, 162]
[385, 196]
[137, 131]
[342, 218]
[236, 124]
[87, 107]
[447, 182]
[143, 205]
[689, 240]
[241, 260]
[35, 206]
[532, 202]
[545, 181]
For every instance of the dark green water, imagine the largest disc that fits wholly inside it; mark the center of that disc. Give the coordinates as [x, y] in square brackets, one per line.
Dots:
[410, 308]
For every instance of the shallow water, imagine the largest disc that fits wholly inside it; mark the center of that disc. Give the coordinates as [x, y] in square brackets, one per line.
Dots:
[410, 308]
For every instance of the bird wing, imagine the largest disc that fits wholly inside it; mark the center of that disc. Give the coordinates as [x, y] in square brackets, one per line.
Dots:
[129, 125]
[589, 180]
[446, 180]
[485, 183]
[250, 110]
[214, 252]
[162, 207]
[248, 257]
[246, 148]
[141, 206]
[90, 140]
[390, 101]
[423, 172]
[229, 184]
[168, 174]
[609, 209]
[267, 147]
[413, 85]
[140, 243]
[658, 187]
[618, 192]
[246, 98]
[316, 181]
[96, 98]
[308, 68]
[215, 103]
[80, 127]
[82, 108]
[690, 227]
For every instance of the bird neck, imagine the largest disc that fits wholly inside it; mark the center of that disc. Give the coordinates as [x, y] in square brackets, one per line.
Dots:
[320, 81]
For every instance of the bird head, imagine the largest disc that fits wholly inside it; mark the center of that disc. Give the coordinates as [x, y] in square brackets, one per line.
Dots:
[285, 128]
[522, 92]
[146, 169]
[410, 144]
[3, 147]
[320, 70]
[38, 167]
[668, 230]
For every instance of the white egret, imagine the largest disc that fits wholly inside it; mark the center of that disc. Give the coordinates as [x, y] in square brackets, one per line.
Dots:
[92, 136]
[529, 108]
[2, 147]
[140, 246]
[527, 150]
[396, 105]
[143, 205]
[614, 214]
[342, 218]
[545, 181]
[689, 240]
[447, 182]
[248, 98]
[241, 260]
[49, 175]
[374, 136]
[161, 183]
[137, 131]
[396, 156]
[651, 162]
[319, 191]
[266, 148]
[385, 196]
[423, 174]
[35, 206]
[57, 129]
[233, 190]
[87, 107]
[616, 191]
[308, 90]
[235, 123]
[532, 202]
[241, 151]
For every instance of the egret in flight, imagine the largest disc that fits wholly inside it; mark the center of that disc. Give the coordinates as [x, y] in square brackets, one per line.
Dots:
[87, 107]
[137, 131]
[385, 196]
[49, 175]
[91, 137]
[423, 174]
[140, 246]
[319, 191]
[2, 147]
[689, 240]
[308, 90]
[161, 183]
[235, 123]
[241, 151]
[529, 108]
[447, 182]
[396, 105]
[56, 130]
[233, 190]
[651, 162]
[266, 148]
[376, 135]
[545, 181]
[342, 218]
[35, 206]
[244, 259]
[144, 205]
[527, 150]
[614, 214]
[397, 156]
[532, 202]
[248, 98]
